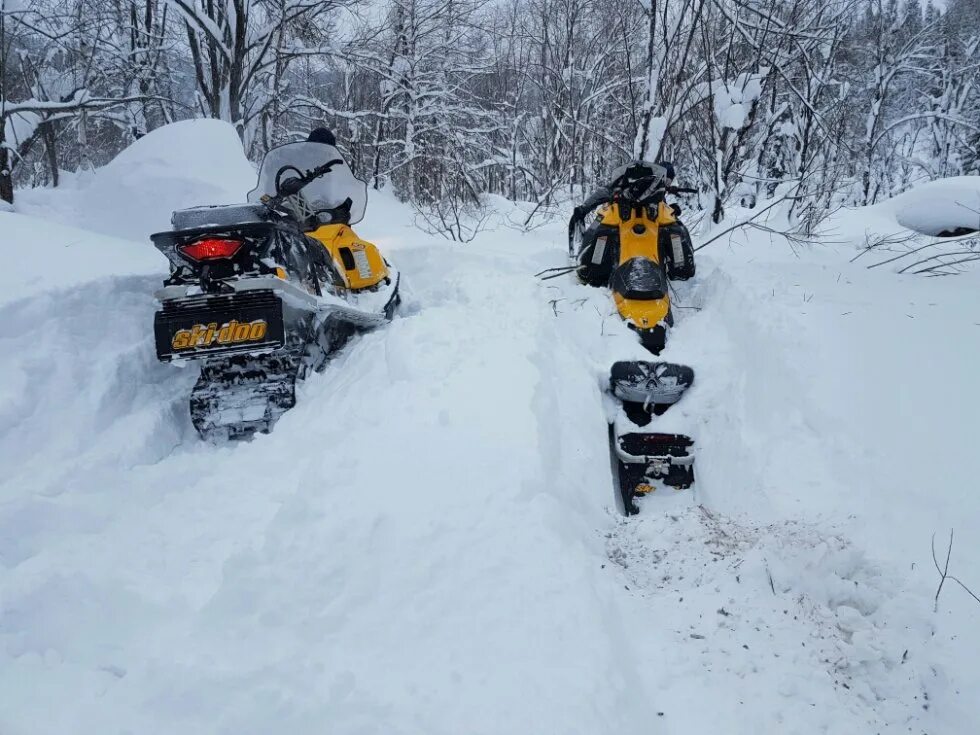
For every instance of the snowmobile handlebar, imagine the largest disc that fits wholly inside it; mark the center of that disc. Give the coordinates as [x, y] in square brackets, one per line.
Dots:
[295, 184]
[613, 194]
[635, 186]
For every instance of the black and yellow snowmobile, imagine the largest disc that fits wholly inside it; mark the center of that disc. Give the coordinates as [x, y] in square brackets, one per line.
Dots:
[647, 461]
[261, 294]
[634, 246]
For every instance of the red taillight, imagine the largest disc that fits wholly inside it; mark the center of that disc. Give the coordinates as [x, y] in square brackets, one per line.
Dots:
[211, 249]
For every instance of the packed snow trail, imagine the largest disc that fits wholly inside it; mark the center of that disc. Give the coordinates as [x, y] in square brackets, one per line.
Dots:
[411, 550]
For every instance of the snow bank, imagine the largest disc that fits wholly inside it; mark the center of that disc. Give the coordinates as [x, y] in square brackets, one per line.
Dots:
[98, 224]
[937, 207]
[184, 164]
[43, 256]
[834, 397]
[933, 208]
[412, 551]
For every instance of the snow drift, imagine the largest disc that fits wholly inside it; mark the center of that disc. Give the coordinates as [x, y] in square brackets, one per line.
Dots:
[936, 207]
[184, 164]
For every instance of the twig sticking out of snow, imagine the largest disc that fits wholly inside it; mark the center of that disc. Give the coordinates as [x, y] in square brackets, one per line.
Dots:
[772, 585]
[882, 240]
[944, 571]
[750, 222]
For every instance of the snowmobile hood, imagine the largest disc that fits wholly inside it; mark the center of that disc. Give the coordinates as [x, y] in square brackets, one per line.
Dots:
[327, 192]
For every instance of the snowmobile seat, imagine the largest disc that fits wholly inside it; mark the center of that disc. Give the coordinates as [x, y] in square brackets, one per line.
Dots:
[223, 215]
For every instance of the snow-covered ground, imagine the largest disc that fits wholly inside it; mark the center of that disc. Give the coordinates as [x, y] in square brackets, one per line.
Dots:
[429, 542]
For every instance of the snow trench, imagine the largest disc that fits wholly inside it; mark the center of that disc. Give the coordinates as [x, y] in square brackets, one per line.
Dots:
[412, 550]
[428, 543]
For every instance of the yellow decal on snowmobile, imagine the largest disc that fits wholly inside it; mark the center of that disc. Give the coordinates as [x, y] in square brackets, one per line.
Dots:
[363, 266]
[206, 335]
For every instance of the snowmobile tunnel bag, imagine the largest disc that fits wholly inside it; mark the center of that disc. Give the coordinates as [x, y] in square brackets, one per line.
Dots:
[251, 321]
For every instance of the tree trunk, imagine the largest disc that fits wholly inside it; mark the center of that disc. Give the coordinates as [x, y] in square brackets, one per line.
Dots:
[6, 178]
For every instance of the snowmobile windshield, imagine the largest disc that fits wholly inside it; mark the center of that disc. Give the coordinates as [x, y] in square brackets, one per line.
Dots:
[322, 194]
[640, 279]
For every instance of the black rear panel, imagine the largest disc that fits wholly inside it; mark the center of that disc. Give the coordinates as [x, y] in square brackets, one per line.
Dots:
[656, 445]
[219, 325]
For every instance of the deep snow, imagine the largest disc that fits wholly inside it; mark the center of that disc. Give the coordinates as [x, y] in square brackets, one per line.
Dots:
[429, 543]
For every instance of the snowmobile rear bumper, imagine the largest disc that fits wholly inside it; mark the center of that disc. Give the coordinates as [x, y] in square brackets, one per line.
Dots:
[644, 459]
[209, 325]
[658, 452]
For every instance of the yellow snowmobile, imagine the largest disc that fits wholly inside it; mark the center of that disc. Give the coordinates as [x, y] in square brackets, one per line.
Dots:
[262, 294]
[634, 245]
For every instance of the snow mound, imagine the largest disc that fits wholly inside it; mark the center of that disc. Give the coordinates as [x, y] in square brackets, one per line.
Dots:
[411, 551]
[50, 257]
[184, 164]
[942, 207]
[181, 165]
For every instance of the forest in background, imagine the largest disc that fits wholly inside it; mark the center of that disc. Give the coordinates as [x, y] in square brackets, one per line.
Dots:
[814, 102]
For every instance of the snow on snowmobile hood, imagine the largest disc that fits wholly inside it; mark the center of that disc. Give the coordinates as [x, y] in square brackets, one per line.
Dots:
[327, 192]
